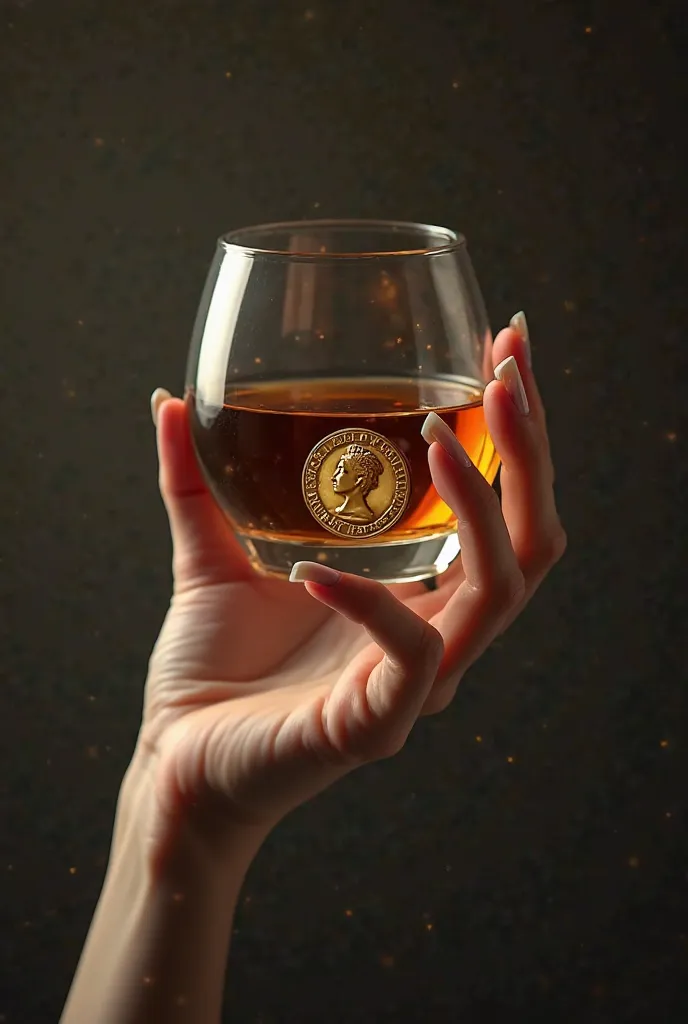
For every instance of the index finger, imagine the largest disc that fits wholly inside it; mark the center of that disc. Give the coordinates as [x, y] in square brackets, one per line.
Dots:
[376, 701]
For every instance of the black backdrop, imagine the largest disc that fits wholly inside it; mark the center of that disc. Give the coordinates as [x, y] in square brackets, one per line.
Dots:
[452, 883]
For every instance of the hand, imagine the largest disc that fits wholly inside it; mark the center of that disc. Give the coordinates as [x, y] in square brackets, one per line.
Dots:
[262, 692]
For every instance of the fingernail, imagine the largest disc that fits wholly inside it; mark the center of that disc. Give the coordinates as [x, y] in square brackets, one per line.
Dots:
[313, 572]
[435, 429]
[159, 396]
[520, 324]
[508, 372]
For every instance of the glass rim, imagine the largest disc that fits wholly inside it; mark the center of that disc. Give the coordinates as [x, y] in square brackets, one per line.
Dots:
[231, 240]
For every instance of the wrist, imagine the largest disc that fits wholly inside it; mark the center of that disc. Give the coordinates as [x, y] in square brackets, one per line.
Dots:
[170, 845]
[160, 935]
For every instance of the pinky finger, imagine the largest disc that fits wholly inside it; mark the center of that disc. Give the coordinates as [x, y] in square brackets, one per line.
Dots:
[377, 699]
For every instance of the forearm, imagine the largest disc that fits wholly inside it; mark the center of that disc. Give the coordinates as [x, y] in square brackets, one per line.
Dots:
[158, 944]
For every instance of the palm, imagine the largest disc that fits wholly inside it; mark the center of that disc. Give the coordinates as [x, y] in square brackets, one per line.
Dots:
[261, 694]
[238, 681]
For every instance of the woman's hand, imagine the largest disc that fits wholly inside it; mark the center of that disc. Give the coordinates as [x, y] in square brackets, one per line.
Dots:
[261, 692]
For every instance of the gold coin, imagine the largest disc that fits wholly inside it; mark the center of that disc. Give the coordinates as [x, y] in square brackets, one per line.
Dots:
[356, 483]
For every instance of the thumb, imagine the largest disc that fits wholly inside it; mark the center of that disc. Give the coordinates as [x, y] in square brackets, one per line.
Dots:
[205, 550]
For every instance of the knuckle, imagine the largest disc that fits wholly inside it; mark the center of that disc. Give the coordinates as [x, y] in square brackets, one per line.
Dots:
[438, 704]
[550, 550]
[430, 648]
[420, 654]
[389, 746]
[374, 741]
[506, 592]
[439, 700]
[490, 499]
[559, 544]
[551, 471]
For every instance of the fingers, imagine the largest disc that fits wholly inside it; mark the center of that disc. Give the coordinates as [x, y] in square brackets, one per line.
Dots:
[374, 705]
[205, 550]
[514, 341]
[527, 475]
[486, 552]
[505, 552]
[493, 582]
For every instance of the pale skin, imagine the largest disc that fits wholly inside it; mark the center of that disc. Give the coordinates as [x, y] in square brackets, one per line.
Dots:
[248, 711]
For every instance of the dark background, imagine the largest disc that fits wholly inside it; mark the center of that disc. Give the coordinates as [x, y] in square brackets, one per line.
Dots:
[538, 873]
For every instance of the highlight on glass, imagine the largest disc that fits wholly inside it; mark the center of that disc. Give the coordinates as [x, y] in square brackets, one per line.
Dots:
[318, 350]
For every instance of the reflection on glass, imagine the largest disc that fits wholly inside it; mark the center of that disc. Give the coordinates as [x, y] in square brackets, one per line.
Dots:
[319, 348]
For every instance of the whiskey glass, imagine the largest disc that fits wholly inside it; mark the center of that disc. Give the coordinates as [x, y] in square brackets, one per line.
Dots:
[318, 350]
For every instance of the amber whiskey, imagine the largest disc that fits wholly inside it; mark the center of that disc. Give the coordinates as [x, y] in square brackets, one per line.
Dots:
[261, 453]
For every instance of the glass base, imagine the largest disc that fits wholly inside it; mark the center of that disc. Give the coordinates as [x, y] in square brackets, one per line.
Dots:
[399, 562]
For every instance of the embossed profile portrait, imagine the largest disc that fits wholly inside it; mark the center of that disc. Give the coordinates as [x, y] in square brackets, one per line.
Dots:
[358, 473]
[356, 483]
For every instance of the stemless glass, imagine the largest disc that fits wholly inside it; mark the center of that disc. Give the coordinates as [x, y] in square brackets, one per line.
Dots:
[318, 350]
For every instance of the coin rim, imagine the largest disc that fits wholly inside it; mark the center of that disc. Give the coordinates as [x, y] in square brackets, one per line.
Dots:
[399, 514]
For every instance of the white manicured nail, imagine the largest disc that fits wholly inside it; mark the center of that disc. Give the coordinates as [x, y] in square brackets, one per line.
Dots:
[313, 572]
[159, 396]
[508, 372]
[520, 324]
[435, 429]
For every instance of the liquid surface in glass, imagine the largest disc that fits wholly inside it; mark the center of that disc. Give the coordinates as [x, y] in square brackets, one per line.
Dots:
[254, 448]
